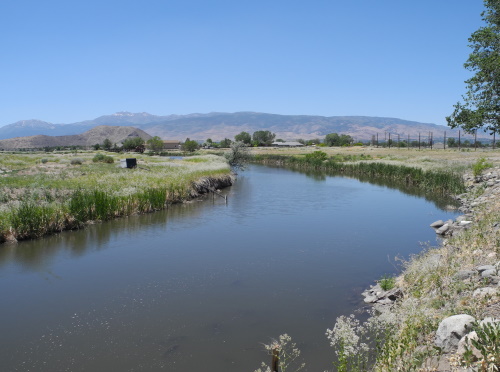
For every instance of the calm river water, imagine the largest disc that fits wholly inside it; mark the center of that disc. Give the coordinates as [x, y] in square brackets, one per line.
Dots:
[200, 286]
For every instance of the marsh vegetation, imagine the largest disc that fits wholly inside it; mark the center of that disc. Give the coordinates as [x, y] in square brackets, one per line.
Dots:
[45, 193]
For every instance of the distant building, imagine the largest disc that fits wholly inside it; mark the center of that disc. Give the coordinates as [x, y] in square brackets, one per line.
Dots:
[287, 144]
[171, 145]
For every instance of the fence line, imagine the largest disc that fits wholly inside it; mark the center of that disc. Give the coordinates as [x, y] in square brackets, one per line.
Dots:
[428, 140]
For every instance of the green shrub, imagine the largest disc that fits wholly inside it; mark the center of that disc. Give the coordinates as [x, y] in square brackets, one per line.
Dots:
[76, 161]
[387, 282]
[480, 165]
[44, 160]
[101, 158]
[488, 345]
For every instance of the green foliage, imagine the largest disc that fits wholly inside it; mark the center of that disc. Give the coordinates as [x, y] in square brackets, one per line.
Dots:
[481, 104]
[316, 157]
[243, 137]
[238, 155]
[480, 165]
[33, 220]
[155, 144]
[225, 143]
[132, 143]
[488, 345]
[107, 144]
[441, 182]
[190, 146]
[76, 161]
[263, 138]
[387, 282]
[333, 139]
[101, 158]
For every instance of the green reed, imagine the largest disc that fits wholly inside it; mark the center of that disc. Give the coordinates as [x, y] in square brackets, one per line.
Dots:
[443, 182]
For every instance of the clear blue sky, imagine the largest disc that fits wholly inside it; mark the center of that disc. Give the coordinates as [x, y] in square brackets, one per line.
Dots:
[72, 60]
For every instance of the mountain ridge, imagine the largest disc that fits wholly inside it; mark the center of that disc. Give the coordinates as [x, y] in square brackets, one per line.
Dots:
[93, 136]
[219, 125]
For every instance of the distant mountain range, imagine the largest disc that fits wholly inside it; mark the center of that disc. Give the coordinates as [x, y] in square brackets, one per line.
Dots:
[226, 125]
[91, 137]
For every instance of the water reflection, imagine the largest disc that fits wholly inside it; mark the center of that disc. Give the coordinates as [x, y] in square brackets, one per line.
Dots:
[440, 201]
[35, 254]
[199, 286]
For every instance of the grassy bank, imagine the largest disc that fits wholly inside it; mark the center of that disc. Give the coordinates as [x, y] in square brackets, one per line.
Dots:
[46, 193]
[442, 181]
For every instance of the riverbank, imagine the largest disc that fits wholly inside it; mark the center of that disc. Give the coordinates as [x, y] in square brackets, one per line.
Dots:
[444, 290]
[44, 193]
[419, 317]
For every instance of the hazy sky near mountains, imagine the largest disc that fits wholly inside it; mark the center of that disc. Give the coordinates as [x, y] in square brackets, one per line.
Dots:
[67, 61]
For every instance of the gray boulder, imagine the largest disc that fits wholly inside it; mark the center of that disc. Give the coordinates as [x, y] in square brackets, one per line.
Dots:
[437, 224]
[484, 268]
[488, 273]
[443, 229]
[451, 330]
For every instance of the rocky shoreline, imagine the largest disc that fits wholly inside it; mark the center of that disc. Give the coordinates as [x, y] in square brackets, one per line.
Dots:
[483, 278]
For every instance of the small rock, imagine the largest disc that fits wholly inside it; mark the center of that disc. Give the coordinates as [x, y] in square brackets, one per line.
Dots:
[488, 273]
[486, 291]
[443, 229]
[437, 224]
[484, 268]
[464, 274]
[465, 223]
[370, 299]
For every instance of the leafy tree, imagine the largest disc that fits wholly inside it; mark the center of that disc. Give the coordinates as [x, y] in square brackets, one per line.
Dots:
[238, 155]
[314, 141]
[244, 137]
[96, 146]
[263, 137]
[155, 144]
[225, 143]
[190, 145]
[452, 142]
[333, 139]
[133, 143]
[107, 144]
[481, 103]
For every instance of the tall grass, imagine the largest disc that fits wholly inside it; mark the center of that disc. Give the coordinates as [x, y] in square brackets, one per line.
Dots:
[442, 182]
[67, 197]
[33, 220]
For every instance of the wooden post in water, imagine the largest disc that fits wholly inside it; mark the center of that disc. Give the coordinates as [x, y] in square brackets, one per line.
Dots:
[276, 360]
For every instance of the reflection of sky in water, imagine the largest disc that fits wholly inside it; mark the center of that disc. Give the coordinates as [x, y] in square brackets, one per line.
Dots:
[199, 286]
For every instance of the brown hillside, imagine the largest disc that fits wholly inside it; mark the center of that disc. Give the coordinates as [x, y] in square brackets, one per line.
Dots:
[89, 138]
